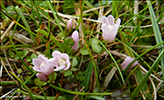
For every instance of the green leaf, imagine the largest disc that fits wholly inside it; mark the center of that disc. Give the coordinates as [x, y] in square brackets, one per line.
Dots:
[73, 69]
[97, 48]
[37, 81]
[25, 52]
[93, 41]
[67, 73]
[88, 75]
[33, 56]
[19, 70]
[11, 54]
[53, 76]
[74, 62]
[67, 45]
[84, 51]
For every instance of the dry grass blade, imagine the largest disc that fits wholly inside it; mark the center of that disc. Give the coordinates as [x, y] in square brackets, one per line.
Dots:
[7, 30]
[109, 77]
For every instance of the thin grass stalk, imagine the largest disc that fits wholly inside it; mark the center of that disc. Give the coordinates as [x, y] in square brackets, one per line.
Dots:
[145, 78]
[56, 19]
[112, 59]
[12, 95]
[24, 20]
[157, 32]
[87, 45]
[19, 55]
[78, 93]
[45, 97]
[135, 15]
[37, 10]
[138, 56]
[23, 86]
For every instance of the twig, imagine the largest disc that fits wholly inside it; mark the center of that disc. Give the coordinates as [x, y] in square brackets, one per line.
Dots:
[7, 30]
[155, 91]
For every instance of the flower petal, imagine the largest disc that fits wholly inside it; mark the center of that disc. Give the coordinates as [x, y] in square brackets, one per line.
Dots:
[56, 55]
[36, 69]
[43, 58]
[36, 62]
[66, 57]
[127, 61]
[75, 36]
[104, 20]
[46, 70]
[118, 21]
[111, 20]
[42, 77]
[69, 24]
[112, 34]
[106, 32]
[59, 68]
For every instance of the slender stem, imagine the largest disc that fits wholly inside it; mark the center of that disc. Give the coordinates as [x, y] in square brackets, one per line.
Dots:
[78, 93]
[23, 85]
[86, 43]
[112, 59]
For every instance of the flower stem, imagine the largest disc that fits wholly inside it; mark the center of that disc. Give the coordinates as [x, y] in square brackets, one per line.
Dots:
[86, 43]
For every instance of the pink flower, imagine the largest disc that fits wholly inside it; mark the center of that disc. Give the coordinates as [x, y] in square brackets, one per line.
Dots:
[60, 61]
[127, 61]
[69, 24]
[109, 28]
[43, 65]
[42, 77]
[75, 36]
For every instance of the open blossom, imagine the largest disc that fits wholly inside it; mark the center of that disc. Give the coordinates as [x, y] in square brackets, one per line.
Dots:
[75, 37]
[69, 24]
[60, 61]
[43, 65]
[126, 62]
[42, 77]
[110, 28]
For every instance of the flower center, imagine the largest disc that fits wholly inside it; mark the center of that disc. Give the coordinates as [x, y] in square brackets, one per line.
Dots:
[61, 62]
[110, 27]
[42, 64]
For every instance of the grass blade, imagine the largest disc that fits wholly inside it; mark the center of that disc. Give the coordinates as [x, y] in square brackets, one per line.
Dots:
[56, 19]
[157, 32]
[24, 20]
[24, 86]
[144, 79]
[19, 55]
[112, 59]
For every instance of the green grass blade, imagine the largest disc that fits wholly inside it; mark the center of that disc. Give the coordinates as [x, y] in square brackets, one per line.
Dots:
[77, 93]
[24, 21]
[87, 45]
[24, 86]
[19, 55]
[56, 19]
[112, 59]
[145, 78]
[90, 6]
[115, 8]
[88, 75]
[157, 32]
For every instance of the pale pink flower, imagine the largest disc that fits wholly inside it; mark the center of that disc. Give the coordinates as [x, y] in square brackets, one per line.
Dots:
[60, 61]
[127, 61]
[109, 28]
[43, 65]
[69, 24]
[42, 77]
[75, 37]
